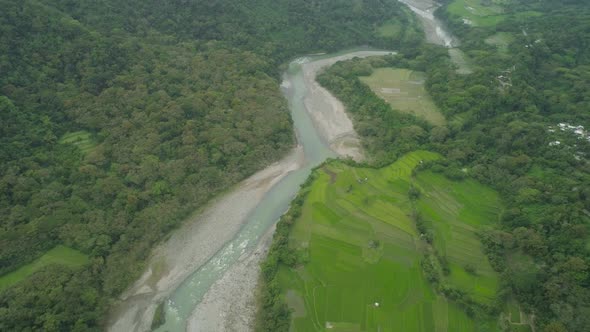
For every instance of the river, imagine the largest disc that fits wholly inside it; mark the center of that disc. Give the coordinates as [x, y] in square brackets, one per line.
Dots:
[437, 33]
[434, 29]
[324, 131]
[192, 263]
[206, 272]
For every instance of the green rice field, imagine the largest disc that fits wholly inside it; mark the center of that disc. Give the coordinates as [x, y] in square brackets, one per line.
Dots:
[513, 311]
[390, 29]
[478, 13]
[456, 211]
[461, 61]
[59, 255]
[404, 90]
[512, 316]
[82, 139]
[500, 40]
[362, 251]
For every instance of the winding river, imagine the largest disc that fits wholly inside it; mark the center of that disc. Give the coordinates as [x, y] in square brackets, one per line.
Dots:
[186, 297]
[195, 259]
[317, 145]
[206, 272]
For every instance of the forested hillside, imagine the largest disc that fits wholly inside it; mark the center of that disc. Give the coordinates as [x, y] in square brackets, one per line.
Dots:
[518, 123]
[119, 118]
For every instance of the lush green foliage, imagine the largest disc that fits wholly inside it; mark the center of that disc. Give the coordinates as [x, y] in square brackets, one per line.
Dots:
[119, 118]
[541, 246]
[274, 29]
[404, 90]
[56, 298]
[273, 313]
[59, 255]
[386, 134]
[353, 243]
[502, 129]
[455, 213]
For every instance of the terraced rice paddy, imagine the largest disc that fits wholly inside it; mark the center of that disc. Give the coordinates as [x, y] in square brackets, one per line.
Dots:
[59, 255]
[404, 90]
[456, 211]
[363, 252]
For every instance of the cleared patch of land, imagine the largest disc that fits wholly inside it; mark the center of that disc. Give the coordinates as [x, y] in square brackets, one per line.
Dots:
[327, 112]
[456, 211]
[390, 29]
[362, 253]
[513, 311]
[59, 255]
[484, 13]
[460, 60]
[476, 13]
[513, 316]
[82, 139]
[500, 40]
[404, 90]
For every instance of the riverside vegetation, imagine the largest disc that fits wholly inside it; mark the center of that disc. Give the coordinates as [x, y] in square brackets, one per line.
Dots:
[495, 228]
[120, 118]
[354, 259]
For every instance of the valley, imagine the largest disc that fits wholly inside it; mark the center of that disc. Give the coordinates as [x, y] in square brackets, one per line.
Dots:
[246, 166]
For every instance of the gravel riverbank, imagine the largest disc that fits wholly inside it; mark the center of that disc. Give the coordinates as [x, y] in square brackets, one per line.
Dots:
[193, 244]
[328, 113]
[229, 303]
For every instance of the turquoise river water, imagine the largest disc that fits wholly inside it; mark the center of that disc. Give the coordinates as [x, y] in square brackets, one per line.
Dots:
[185, 298]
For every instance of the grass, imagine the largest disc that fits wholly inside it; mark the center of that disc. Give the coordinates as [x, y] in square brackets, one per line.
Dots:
[521, 328]
[460, 60]
[513, 310]
[456, 211]
[513, 318]
[477, 13]
[59, 255]
[500, 40]
[362, 247]
[404, 90]
[82, 139]
[390, 29]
